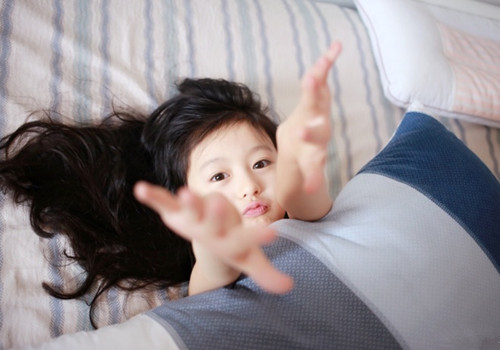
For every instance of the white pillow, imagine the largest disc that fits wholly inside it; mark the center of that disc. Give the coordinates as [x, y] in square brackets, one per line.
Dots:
[443, 53]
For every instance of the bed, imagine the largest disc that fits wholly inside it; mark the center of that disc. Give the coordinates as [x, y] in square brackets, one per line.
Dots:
[81, 59]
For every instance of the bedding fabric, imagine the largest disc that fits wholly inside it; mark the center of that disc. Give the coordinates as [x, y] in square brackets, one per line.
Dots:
[443, 53]
[81, 59]
[408, 257]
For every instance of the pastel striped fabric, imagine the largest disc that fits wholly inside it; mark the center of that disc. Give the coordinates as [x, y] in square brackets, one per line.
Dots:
[82, 58]
[414, 65]
[475, 62]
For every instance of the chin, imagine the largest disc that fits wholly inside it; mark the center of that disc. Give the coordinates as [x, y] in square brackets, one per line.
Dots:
[257, 221]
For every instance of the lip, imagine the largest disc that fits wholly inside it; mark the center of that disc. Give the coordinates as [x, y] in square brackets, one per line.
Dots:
[254, 209]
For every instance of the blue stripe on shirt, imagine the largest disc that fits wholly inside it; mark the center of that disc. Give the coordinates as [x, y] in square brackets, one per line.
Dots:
[448, 173]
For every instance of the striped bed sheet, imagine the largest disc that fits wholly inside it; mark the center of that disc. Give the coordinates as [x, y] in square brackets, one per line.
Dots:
[81, 59]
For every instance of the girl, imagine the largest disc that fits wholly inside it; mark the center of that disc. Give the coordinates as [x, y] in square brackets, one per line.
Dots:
[257, 184]
[78, 181]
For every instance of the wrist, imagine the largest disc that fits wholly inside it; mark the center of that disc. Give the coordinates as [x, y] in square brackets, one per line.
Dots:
[209, 272]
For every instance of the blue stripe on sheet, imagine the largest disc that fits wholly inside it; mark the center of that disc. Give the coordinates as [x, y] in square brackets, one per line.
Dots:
[335, 183]
[83, 58]
[296, 39]
[105, 104]
[459, 177]
[249, 46]
[188, 19]
[55, 276]
[81, 112]
[228, 40]
[55, 62]
[312, 35]
[267, 59]
[112, 296]
[83, 320]
[389, 110]
[446, 122]
[5, 33]
[366, 83]
[171, 47]
[342, 121]
[148, 53]
[461, 131]
[104, 51]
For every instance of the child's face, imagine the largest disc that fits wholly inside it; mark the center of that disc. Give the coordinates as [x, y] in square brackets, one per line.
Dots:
[240, 163]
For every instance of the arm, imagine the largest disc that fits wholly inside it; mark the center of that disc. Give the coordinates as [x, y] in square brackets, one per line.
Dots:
[223, 247]
[302, 146]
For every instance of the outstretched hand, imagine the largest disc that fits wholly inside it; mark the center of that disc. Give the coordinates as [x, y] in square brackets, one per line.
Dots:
[215, 226]
[306, 132]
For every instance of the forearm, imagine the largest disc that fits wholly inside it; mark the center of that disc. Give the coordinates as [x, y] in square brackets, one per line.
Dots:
[299, 202]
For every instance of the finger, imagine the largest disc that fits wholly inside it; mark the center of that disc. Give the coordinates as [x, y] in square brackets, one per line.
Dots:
[334, 51]
[192, 202]
[259, 268]
[265, 235]
[316, 77]
[319, 71]
[155, 197]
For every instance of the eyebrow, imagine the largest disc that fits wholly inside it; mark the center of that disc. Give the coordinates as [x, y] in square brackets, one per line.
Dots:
[252, 150]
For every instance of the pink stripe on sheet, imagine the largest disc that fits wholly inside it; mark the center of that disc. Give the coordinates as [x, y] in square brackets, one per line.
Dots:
[475, 62]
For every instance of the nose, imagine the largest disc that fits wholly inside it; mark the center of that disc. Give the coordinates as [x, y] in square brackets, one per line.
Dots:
[249, 185]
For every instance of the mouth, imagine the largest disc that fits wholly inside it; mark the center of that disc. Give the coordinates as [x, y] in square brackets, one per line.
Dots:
[255, 209]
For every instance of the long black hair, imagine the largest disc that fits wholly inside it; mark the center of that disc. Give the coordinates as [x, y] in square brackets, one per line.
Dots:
[78, 180]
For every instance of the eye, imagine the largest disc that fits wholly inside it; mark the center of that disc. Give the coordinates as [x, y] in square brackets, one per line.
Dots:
[261, 164]
[218, 177]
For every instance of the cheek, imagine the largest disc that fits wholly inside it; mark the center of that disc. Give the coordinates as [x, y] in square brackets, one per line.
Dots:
[280, 213]
[270, 181]
[195, 187]
[197, 184]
